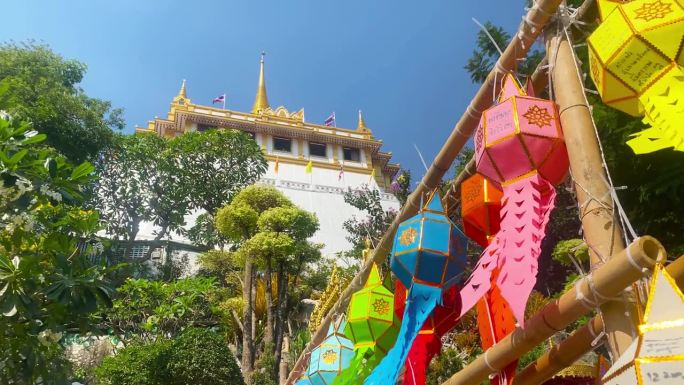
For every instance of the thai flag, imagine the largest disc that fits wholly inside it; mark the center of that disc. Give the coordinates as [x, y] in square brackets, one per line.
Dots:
[219, 99]
[330, 120]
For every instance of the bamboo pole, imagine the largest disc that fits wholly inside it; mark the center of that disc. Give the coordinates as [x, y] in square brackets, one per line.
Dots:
[600, 224]
[578, 343]
[608, 280]
[537, 17]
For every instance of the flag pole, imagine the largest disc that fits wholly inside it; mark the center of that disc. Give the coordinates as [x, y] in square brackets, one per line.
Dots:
[224, 100]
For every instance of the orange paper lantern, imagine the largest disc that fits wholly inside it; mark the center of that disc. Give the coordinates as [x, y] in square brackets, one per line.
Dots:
[480, 207]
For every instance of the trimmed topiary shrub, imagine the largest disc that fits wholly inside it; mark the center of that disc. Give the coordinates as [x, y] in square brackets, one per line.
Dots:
[201, 357]
[136, 365]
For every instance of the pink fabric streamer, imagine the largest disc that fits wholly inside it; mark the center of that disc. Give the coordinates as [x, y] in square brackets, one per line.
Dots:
[515, 249]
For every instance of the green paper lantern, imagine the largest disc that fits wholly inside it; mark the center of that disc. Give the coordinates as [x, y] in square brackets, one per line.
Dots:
[371, 322]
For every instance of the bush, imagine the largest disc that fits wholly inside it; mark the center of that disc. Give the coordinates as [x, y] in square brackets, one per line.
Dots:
[201, 357]
[136, 365]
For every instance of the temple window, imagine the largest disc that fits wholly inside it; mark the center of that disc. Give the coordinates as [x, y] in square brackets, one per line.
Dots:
[318, 149]
[282, 144]
[202, 127]
[351, 154]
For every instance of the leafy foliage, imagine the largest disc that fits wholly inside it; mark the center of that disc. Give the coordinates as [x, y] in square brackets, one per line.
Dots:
[44, 90]
[444, 366]
[49, 281]
[139, 182]
[216, 164]
[486, 54]
[401, 186]
[373, 226]
[201, 357]
[204, 232]
[148, 310]
[147, 178]
[138, 364]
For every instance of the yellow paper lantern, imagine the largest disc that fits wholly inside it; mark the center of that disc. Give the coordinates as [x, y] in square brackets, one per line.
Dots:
[605, 7]
[657, 355]
[634, 48]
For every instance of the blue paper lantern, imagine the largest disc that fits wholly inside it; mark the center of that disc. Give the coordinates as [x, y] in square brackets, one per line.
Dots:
[332, 356]
[303, 380]
[428, 257]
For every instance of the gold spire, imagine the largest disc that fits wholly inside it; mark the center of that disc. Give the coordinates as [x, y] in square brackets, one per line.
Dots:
[362, 124]
[182, 93]
[261, 100]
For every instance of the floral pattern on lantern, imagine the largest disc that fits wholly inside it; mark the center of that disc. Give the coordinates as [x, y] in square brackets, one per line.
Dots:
[332, 356]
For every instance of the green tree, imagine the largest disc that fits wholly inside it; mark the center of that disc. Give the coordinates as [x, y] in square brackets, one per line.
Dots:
[269, 234]
[49, 279]
[147, 178]
[44, 89]
[486, 54]
[216, 164]
[139, 181]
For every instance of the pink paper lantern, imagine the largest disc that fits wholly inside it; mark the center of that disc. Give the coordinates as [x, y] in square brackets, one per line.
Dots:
[519, 145]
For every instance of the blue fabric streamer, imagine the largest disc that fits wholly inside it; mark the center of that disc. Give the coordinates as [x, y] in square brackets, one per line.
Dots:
[421, 302]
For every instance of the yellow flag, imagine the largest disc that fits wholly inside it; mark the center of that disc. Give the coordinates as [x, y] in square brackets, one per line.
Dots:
[309, 167]
[372, 175]
[277, 163]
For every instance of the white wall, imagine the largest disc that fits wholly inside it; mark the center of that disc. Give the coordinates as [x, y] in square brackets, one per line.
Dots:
[319, 192]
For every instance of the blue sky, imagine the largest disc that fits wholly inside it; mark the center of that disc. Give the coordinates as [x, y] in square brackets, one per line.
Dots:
[401, 62]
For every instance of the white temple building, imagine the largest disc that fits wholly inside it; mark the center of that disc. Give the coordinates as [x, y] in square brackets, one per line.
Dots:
[339, 158]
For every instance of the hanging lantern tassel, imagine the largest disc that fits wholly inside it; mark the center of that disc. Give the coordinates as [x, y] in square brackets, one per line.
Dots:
[427, 343]
[519, 145]
[428, 256]
[664, 113]
[635, 57]
[495, 321]
[480, 211]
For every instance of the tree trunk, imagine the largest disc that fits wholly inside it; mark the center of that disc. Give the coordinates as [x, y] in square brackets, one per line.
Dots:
[254, 317]
[282, 377]
[280, 313]
[247, 323]
[132, 234]
[268, 294]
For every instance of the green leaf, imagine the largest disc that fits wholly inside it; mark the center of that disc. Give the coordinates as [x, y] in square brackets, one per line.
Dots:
[17, 157]
[82, 170]
[34, 139]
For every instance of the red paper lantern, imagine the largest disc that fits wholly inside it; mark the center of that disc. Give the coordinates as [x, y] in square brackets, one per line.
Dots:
[428, 343]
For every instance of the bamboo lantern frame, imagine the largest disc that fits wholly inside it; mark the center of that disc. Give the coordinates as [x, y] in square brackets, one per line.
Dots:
[530, 29]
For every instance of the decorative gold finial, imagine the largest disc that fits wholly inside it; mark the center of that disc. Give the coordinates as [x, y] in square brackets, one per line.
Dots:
[366, 253]
[261, 100]
[362, 124]
[182, 93]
